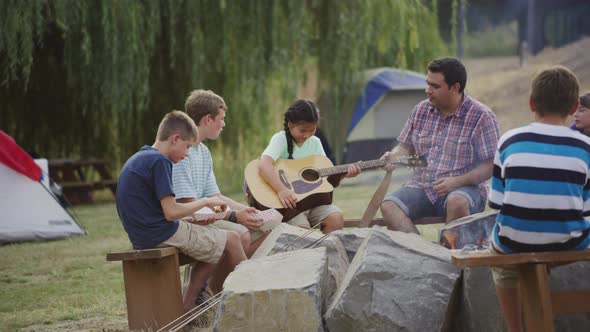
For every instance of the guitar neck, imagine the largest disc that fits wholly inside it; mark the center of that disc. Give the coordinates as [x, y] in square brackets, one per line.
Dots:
[344, 168]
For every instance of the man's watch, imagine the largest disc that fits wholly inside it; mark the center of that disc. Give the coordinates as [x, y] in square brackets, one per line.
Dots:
[232, 217]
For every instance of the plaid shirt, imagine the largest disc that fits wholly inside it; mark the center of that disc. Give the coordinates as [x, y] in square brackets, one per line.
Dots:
[453, 144]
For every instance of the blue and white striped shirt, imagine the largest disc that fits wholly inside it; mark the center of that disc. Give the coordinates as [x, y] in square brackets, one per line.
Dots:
[193, 177]
[541, 187]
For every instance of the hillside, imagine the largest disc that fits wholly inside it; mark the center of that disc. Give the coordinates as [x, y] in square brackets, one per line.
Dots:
[501, 84]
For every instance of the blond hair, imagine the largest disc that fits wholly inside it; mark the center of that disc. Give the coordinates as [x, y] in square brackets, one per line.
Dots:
[177, 122]
[201, 103]
[554, 91]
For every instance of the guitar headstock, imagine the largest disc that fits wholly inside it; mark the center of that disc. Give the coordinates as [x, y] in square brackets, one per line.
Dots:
[412, 161]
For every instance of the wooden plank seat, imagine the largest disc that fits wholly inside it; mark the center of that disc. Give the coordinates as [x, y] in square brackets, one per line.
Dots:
[540, 303]
[152, 286]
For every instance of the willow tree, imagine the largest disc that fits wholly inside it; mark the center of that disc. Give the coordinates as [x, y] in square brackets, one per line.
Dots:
[93, 78]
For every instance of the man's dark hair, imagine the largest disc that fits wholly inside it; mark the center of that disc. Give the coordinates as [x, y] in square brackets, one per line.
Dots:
[452, 69]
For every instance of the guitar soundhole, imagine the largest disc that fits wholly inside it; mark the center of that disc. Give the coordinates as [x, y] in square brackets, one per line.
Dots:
[310, 175]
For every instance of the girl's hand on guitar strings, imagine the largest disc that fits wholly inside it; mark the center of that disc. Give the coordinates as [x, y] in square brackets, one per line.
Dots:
[288, 198]
[353, 170]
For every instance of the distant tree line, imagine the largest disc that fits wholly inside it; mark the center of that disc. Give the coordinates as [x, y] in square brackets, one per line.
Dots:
[540, 22]
[92, 78]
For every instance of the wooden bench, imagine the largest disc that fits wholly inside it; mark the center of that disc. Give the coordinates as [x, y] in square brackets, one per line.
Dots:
[152, 286]
[78, 177]
[540, 304]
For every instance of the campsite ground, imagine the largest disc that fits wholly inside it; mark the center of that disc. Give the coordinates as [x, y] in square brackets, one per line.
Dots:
[68, 285]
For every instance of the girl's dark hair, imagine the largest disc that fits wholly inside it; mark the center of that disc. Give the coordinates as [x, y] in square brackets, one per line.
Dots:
[585, 100]
[300, 111]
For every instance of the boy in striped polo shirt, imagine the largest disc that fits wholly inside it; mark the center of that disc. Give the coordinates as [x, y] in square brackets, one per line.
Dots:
[193, 178]
[540, 183]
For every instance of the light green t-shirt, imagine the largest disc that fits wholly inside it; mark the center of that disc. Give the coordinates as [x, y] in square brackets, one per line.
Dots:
[277, 148]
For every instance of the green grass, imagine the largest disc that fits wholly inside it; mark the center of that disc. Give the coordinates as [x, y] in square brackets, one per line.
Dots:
[501, 40]
[68, 284]
[44, 283]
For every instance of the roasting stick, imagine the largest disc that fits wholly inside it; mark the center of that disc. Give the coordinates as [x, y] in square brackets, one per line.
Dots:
[316, 242]
[368, 215]
[190, 315]
[215, 299]
[303, 235]
[365, 221]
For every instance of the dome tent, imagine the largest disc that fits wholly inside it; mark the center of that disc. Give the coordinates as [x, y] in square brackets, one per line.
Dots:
[381, 111]
[29, 211]
[367, 121]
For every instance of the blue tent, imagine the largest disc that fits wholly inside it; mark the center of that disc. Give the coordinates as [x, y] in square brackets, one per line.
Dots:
[380, 112]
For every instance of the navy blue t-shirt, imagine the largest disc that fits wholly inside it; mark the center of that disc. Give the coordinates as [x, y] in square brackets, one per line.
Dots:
[145, 179]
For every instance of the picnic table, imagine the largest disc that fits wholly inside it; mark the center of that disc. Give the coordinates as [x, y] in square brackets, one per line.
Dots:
[79, 178]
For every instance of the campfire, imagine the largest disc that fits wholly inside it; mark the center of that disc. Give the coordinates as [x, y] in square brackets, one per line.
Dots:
[470, 232]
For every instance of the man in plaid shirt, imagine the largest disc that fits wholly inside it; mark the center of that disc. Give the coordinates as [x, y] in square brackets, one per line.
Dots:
[458, 136]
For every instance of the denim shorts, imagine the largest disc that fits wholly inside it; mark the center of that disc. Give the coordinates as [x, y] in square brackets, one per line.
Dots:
[415, 204]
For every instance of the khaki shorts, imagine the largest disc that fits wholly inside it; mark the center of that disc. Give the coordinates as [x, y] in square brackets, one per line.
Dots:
[505, 276]
[314, 216]
[203, 243]
[238, 228]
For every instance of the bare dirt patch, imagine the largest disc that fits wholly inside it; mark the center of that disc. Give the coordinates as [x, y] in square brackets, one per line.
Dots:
[504, 86]
[90, 324]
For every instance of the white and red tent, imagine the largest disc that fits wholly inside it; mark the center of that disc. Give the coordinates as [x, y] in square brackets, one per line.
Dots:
[28, 210]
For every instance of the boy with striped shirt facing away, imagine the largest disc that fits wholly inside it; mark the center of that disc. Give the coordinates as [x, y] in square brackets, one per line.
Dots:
[540, 183]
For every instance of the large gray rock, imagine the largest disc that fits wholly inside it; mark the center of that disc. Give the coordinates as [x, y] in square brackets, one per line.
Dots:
[281, 240]
[396, 282]
[572, 277]
[480, 311]
[352, 239]
[283, 292]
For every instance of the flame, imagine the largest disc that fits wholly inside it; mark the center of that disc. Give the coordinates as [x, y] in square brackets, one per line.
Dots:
[451, 239]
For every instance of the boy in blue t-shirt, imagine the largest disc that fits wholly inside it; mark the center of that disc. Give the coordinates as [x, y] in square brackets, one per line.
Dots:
[150, 214]
[540, 184]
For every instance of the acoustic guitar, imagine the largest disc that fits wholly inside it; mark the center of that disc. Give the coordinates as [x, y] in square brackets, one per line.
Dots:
[307, 178]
